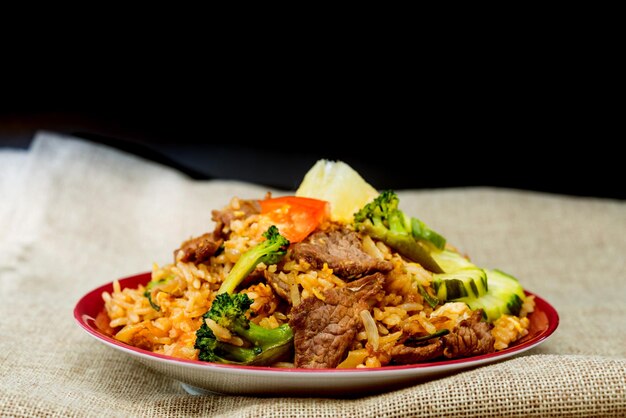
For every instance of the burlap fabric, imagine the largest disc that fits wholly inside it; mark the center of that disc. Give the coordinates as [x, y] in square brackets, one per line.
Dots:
[74, 215]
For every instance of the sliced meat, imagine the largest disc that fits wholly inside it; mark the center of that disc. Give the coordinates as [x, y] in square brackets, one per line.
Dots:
[402, 354]
[280, 286]
[224, 217]
[324, 329]
[200, 249]
[342, 251]
[471, 337]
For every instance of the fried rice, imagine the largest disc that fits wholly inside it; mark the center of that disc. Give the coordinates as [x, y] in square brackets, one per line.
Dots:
[189, 288]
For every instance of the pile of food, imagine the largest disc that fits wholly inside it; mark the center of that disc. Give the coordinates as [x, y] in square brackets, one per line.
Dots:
[337, 276]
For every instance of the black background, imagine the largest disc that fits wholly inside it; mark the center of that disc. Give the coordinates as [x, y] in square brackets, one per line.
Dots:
[525, 146]
[534, 108]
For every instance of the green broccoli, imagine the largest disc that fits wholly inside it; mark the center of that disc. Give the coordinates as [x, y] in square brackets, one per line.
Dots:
[381, 219]
[260, 347]
[270, 251]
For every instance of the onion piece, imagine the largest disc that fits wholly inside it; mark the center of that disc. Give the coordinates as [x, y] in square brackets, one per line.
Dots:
[370, 328]
[294, 293]
[371, 249]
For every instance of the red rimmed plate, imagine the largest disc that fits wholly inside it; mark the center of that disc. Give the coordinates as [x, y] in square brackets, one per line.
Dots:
[199, 377]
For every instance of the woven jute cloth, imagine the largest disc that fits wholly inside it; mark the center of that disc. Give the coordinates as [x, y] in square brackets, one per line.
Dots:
[75, 215]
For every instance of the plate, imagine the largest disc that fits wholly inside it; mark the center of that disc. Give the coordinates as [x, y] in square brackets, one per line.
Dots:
[201, 378]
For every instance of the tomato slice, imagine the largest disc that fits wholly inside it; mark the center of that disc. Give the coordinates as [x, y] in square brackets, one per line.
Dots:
[295, 217]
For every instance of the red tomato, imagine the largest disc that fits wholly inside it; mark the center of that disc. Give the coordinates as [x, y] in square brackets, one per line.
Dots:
[295, 217]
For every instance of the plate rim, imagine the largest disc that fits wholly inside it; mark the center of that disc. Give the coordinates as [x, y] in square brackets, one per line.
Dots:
[82, 319]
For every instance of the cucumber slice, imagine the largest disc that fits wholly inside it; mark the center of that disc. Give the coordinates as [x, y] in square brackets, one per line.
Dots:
[468, 282]
[505, 296]
[423, 232]
[493, 291]
[450, 261]
[461, 279]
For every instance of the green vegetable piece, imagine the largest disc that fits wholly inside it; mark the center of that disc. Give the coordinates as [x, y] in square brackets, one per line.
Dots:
[464, 282]
[505, 296]
[423, 232]
[381, 219]
[431, 300]
[261, 347]
[150, 286]
[451, 261]
[424, 338]
[270, 251]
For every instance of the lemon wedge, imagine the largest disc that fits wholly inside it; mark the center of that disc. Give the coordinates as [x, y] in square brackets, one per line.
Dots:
[337, 183]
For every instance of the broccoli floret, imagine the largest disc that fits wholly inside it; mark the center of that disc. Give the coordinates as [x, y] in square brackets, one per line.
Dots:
[381, 219]
[260, 347]
[270, 251]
